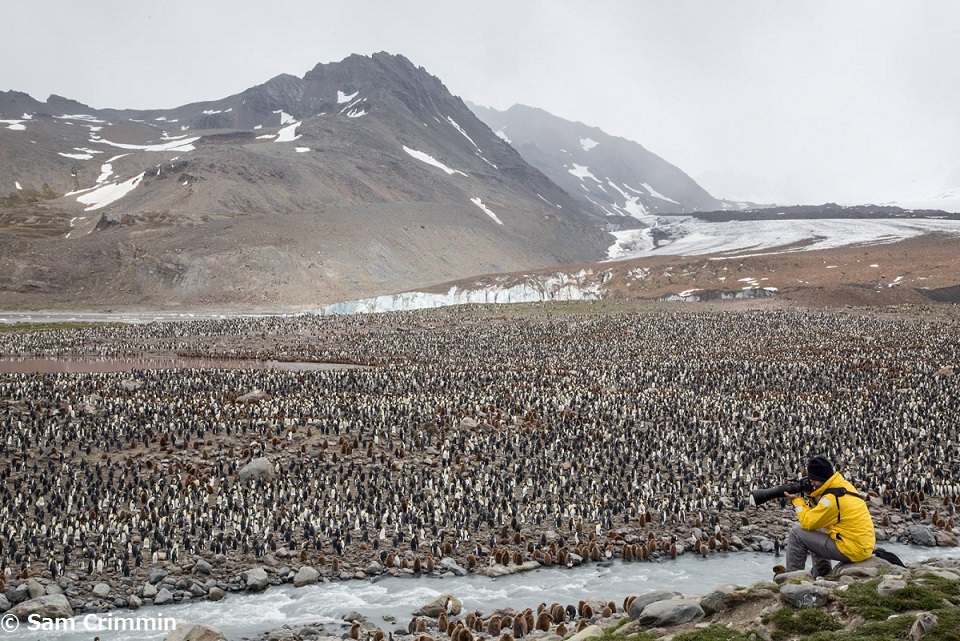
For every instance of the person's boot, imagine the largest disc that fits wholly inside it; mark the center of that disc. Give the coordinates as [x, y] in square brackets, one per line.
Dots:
[821, 569]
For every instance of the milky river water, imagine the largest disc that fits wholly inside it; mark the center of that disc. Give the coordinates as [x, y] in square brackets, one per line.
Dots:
[248, 615]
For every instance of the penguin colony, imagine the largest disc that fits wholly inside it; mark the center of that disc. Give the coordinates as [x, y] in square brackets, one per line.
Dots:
[475, 435]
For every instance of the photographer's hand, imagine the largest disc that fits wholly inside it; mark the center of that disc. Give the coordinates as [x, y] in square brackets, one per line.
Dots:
[790, 497]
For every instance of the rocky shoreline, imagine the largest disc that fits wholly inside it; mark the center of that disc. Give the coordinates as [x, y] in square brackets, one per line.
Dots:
[756, 529]
[854, 600]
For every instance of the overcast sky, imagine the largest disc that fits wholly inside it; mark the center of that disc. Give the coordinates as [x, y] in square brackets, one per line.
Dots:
[779, 101]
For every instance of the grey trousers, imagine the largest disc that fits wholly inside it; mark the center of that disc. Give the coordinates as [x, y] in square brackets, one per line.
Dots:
[821, 548]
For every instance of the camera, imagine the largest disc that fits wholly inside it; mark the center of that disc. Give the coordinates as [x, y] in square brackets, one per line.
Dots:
[801, 486]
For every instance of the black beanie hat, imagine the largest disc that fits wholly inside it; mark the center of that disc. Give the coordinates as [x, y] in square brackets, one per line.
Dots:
[819, 469]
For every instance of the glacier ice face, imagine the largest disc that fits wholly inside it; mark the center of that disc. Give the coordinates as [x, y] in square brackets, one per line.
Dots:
[583, 285]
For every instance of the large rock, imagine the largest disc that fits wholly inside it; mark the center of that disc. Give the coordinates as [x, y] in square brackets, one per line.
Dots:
[156, 575]
[101, 590]
[255, 395]
[216, 594]
[452, 566]
[4, 603]
[35, 589]
[305, 576]
[258, 469]
[53, 606]
[438, 605]
[587, 633]
[195, 632]
[18, 594]
[497, 570]
[713, 602]
[202, 567]
[642, 601]
[796, 575]
[924, 625]
[163, 597]
[922, 535]
[805, 596]
[670, 612]
[890, 585]
[945, 539]
[149, 591]
[867, 569]
[256, 580]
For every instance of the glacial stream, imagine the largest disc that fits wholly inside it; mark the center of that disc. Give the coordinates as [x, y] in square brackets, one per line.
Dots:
[380, 600]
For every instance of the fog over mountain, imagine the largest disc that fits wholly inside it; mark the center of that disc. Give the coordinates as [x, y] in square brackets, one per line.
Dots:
[363, 178]
[620, 176]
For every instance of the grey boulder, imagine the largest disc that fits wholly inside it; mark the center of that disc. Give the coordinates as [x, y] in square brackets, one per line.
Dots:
[804, 595]
[256, 580]
[258, 469]
[663, 614]
[51, 606]
[195, 632]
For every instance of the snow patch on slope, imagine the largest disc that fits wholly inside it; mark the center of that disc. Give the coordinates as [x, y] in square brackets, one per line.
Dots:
[430, 160]
[478, 203]
[109, 193]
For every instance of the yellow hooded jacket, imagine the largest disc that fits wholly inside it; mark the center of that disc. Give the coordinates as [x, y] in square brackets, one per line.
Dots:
[845, 519]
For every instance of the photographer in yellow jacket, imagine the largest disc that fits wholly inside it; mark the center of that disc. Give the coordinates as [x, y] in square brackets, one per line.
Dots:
[837, 527]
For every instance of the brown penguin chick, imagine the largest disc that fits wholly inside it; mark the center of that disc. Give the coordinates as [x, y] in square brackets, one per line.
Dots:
[586, 611]
[421, 625]
[442, 622]
[336, 565]
[548, 558]
[704, 550]
[506, 636]
[561, 630]
[470, 619]
[606, 612]
[455, 633]
[517, 558]
[466, 635]
[417, 565]
[582, 625]
[544, 622]
[558, 614]
[778, 569]
[355, 631]
[379, 636]
[628, 602]
[673, 550]
[429, 564]
[519, 627]
[478, 625]
[493, 625]
[471, 561]
[506, 622]
[530, 619]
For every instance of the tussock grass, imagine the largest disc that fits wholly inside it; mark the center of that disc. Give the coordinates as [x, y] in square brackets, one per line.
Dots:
[789, 622]
[712, 633]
